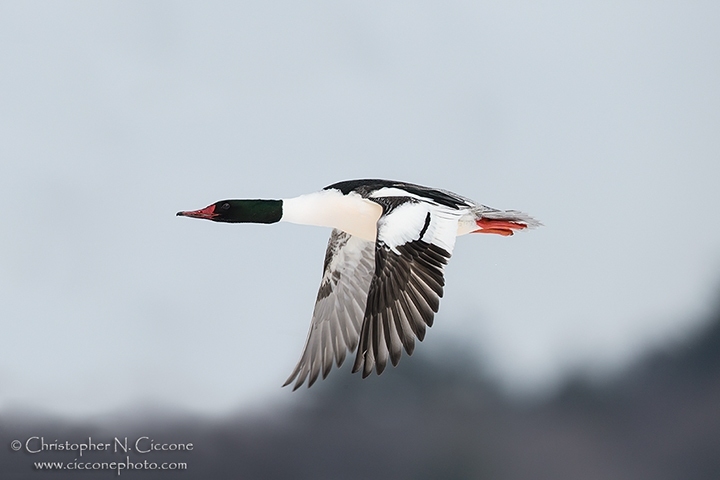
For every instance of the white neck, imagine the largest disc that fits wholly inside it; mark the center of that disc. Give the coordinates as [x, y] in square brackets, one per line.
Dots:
[330, 208]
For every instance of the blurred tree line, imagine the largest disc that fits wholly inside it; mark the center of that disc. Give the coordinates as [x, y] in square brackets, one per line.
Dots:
[433, 418]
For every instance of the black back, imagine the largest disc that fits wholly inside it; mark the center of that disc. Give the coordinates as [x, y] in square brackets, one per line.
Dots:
[366, 187]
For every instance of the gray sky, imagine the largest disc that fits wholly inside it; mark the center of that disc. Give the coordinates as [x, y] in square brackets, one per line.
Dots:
[601, 120]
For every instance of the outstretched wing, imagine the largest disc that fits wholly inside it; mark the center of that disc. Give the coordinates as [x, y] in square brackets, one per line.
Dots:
[414, 243]
[339, 309]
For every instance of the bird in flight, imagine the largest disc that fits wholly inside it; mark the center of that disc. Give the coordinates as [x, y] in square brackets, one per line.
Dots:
[383, 272]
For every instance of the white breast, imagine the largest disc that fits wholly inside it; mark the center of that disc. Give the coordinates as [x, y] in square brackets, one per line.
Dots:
[330, 208]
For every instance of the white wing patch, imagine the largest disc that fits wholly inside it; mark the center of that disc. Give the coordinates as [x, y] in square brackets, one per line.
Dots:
[419, 221]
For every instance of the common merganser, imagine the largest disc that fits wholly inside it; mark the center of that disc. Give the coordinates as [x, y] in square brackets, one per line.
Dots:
[383, 271]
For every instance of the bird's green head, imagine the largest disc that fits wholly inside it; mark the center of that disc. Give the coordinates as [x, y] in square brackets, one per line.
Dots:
[239, 211]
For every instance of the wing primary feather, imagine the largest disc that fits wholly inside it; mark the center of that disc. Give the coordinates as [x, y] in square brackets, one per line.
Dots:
[327, 356]
[394, 334]
[418, 301]
[381, 351]
[415, 318]
[407, 337]
[363, 346]
[369, 362]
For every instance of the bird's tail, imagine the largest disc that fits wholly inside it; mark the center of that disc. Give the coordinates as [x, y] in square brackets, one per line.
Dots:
[502, 222]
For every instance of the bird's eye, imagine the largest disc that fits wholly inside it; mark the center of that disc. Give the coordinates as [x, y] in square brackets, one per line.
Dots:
[225, 206]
